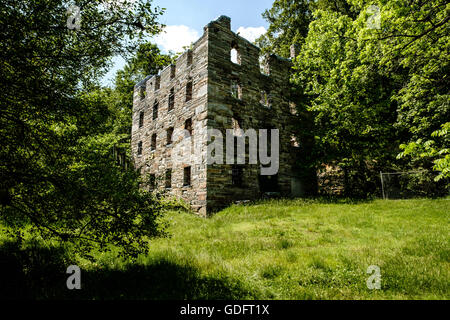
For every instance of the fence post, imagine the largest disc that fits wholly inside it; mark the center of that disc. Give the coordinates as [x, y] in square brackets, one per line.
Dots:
[382, 185]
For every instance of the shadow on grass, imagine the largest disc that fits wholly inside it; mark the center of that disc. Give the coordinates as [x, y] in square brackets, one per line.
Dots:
[40, 273]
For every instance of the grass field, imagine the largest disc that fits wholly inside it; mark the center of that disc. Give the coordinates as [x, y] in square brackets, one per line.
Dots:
[283, 249]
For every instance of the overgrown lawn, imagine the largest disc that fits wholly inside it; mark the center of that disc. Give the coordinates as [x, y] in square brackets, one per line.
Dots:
[285, 249]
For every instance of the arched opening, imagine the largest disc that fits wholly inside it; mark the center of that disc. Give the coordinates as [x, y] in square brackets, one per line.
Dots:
[235, 54]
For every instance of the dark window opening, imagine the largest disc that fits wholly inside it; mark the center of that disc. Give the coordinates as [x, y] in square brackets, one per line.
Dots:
[172, 71]
[153, 144]
[139, 151]
[237, 172]
[268, 183]
[169, 135]
[189, 91]
[187, 176]
[155, 110]
[169, 178]
[189, 57]
[188, 126]
[171, 99]
[141, 119]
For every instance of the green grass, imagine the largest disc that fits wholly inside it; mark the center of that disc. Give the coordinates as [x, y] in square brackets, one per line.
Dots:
[286, 249]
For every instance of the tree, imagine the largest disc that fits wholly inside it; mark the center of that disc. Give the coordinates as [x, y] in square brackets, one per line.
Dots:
[289, 23]
[56, 169]
[349, 99]
[415, 39]
[289, 20]
[368, 90]
[431, 150]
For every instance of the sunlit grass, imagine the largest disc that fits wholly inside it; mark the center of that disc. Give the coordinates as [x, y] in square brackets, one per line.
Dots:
[287, 249]
[297, 249]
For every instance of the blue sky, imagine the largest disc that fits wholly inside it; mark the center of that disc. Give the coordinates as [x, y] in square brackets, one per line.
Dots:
[197, 13]
[185, 20]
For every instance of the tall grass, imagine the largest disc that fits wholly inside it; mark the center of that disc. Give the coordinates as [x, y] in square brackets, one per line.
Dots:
[286, 249]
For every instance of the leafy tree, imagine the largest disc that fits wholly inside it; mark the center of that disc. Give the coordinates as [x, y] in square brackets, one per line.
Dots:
[368, 90]
[289, 23]
[430, 149]
[412, 47]
[349, 99]
[289, 20]
[56, 165]
[415, 38]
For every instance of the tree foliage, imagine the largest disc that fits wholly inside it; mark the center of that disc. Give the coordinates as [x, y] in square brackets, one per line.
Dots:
[431, 150]
[369, 90]
[289, 23]
[58, 130]
[289, 20]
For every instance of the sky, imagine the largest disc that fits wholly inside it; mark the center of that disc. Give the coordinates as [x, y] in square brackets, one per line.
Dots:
[185, 19]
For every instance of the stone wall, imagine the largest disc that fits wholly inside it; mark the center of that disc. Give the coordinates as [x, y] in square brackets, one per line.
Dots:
[158, 88]
[247, 109]
[209, 68]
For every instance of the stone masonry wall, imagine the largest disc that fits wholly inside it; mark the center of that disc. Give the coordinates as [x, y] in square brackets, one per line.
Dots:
[247, 109]
[209, 67]
[157, 161]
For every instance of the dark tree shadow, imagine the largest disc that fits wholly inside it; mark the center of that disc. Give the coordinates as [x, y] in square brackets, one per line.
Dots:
[40, 273]
[163, 280]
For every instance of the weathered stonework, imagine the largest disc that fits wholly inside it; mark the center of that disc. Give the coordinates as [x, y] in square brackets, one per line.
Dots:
[257, 100]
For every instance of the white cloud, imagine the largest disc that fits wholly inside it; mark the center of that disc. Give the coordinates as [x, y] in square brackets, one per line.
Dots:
[251, 33]
[174, 38]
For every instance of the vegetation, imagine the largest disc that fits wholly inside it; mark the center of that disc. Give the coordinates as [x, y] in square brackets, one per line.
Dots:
[367, 90]
[368, 100]
[427, 149]
[279, 249]
[59, 131]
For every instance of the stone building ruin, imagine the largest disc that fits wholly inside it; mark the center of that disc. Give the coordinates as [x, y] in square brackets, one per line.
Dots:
[217, 84]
